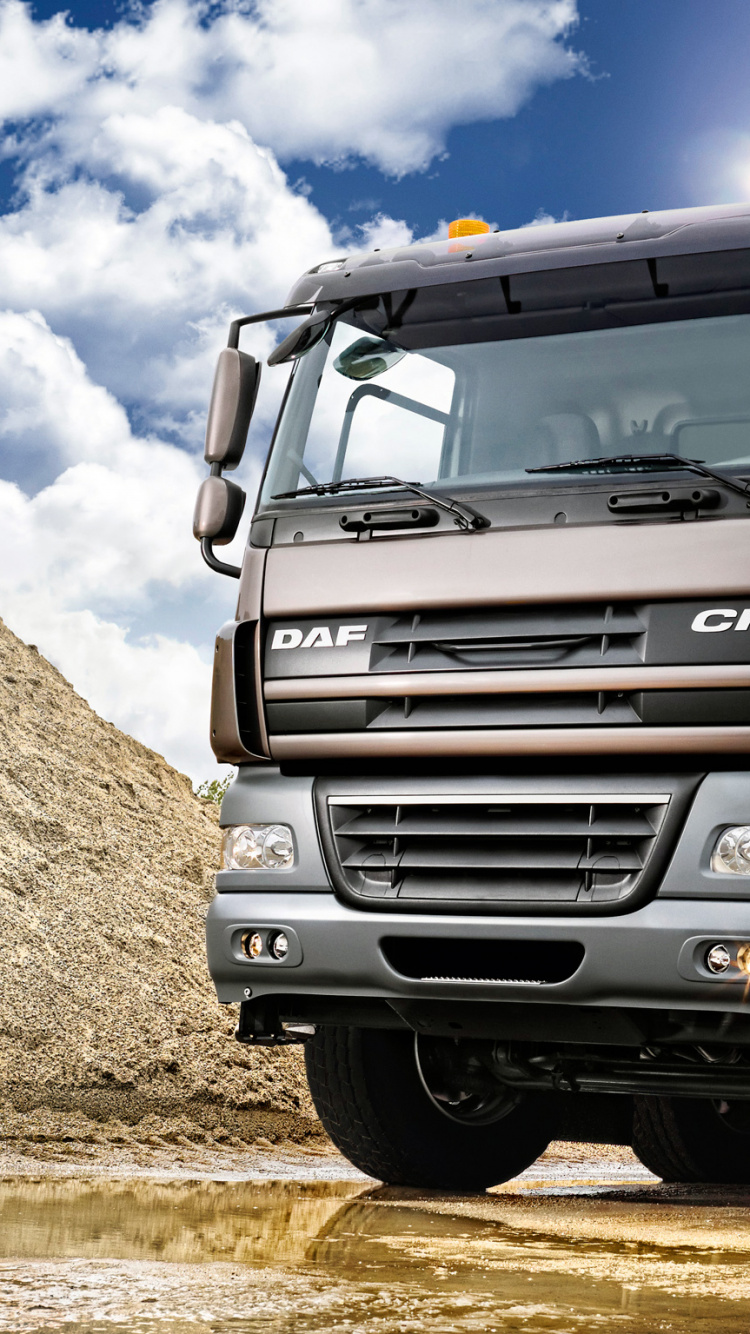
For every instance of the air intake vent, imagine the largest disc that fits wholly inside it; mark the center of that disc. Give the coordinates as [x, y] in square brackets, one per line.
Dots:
[556, 636]
[501, 962]
[604, 708]
[416, 853]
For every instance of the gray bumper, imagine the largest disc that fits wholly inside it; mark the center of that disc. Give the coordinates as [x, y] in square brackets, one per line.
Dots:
[647, 958]
[653, 957]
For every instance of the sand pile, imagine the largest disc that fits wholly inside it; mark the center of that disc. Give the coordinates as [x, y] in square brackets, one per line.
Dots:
[106, 867]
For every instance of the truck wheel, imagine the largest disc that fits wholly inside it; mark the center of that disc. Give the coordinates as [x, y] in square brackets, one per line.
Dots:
[379, 1110]
[693, 1139]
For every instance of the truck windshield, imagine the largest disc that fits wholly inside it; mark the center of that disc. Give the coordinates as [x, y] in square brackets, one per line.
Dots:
[480, 414]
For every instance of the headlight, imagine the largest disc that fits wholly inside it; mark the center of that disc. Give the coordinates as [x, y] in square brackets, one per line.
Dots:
[732, 852]
[257, 847]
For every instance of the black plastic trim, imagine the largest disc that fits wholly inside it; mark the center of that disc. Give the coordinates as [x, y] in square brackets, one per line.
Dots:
[602, 709]
[246, 694]
[682, 789]
[429, 958]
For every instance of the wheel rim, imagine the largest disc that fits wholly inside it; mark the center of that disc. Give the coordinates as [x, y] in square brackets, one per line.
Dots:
[468, 1095]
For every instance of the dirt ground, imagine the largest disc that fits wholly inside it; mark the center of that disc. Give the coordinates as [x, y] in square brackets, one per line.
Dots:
[108, 1018]
[47, 1144]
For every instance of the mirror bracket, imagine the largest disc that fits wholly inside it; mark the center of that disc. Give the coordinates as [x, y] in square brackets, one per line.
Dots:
[233, 339]
[213, 562]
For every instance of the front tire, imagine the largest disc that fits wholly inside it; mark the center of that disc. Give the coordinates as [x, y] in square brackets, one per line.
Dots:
[369, 1095]
[693, 1139]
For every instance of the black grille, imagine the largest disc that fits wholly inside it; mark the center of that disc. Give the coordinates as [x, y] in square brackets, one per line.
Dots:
[505, 962]
[583, 852]
[573, 708]
[515, 637]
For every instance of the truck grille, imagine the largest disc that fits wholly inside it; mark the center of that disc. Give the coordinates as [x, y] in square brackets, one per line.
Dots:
[603, 708]
[544, 850]
[557, 636]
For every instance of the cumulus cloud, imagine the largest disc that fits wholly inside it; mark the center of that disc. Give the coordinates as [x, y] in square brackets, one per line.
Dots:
[544, 219]
[150, 209]
[382, 232]
[104, 539]
[146, 292]
[115, 517]
[384, 80]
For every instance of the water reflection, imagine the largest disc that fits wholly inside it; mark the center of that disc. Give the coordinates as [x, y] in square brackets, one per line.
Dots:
[195, 1222]
[287, 1258]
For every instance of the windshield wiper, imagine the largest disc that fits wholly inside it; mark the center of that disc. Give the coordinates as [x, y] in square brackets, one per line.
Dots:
[464, 515]
[648, 463]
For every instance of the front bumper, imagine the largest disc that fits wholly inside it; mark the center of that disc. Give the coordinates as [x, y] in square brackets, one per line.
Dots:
[651, 958]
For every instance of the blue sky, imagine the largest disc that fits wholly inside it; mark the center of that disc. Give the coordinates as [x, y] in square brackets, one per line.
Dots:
[667, 79]
[168, 168]
[666, 76]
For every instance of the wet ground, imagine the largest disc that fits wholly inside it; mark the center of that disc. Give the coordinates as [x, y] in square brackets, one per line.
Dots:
[594, 1245]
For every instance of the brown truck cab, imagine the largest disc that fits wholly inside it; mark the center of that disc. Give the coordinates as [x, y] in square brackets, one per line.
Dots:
[487, 852]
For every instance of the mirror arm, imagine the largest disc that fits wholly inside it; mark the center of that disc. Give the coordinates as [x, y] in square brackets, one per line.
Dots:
[213, 562]
[233, 339]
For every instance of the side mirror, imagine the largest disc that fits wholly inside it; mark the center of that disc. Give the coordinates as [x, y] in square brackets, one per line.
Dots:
[218, 510]
[232, 401]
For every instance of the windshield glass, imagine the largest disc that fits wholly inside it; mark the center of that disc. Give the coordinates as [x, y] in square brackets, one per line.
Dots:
[479, 414]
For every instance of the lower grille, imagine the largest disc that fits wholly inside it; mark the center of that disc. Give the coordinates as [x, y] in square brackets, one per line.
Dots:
[560, 851]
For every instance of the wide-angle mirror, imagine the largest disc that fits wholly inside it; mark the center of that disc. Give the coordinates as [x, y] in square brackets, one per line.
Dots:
[218, 510]
[367, 358]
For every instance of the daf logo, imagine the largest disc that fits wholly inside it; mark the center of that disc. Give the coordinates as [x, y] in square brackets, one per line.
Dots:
[721, 618]
[319, 637]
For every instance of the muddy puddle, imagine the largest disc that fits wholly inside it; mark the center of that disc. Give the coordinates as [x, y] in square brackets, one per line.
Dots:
[283, 1257]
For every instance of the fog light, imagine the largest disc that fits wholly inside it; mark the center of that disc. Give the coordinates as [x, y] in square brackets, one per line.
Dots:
[252, 944]
[732, 852]
[718, 959]
[279, 945]
[257, 847]
[743, 958]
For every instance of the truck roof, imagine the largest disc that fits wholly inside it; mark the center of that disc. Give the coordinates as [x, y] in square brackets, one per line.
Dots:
[526, 249]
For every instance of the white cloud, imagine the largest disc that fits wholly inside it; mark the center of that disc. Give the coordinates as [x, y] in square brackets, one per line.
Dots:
[383, 233]
[41, 63]
[381, 79]
[106, 537]
[147, 294]
[544, 219]
[117, 516]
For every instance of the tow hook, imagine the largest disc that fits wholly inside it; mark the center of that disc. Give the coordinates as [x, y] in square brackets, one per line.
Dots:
[260, 1026]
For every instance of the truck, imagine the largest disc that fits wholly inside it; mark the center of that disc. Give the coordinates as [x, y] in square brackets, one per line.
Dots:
[487, 692]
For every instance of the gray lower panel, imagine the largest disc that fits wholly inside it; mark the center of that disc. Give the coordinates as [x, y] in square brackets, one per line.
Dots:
[637, 960]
